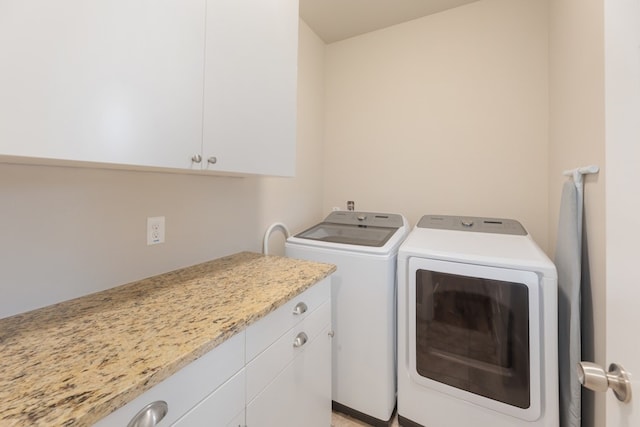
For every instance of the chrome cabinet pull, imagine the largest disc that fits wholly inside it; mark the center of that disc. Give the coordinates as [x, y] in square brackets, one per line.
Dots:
[301, 339]
[150, 415]
[300, 308]
[196, 158]
[593, 377]
[212, 160]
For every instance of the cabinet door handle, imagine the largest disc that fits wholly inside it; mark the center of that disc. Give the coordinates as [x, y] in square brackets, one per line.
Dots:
[300, 308]
[150, 415]
[212, 160]
[197, 158]
[301, 339]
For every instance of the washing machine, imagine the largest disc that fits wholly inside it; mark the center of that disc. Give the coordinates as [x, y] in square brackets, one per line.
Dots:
[477, 326]
[364, 247]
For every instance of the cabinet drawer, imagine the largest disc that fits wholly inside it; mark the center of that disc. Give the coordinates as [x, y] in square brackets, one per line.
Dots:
[219, 408]
[184, 389]
[267, 330]
[264, 368]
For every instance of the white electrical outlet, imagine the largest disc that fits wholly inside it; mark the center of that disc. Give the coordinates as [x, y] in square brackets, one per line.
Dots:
[155, 230]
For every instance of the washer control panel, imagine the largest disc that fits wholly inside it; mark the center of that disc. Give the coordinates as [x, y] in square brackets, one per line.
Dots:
[368, 219]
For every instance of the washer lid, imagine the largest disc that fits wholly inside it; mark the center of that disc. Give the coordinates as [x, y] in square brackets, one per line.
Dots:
[349, 234]
[355, 228]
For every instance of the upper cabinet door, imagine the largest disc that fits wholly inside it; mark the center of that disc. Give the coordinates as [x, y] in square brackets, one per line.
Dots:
[250, 86]
[109, 81]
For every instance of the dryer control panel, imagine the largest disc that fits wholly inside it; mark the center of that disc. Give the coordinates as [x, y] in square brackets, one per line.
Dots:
[470, 223]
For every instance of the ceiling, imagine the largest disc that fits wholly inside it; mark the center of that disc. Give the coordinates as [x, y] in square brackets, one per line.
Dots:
[334, 20]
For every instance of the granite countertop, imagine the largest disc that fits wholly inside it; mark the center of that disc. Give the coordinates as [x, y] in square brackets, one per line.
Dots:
[72, 363]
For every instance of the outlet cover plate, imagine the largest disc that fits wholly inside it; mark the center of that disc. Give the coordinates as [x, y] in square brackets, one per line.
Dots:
[155, 230]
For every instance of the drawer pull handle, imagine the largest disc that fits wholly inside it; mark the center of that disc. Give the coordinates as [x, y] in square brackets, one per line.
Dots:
[300, 308]
[300, 340]
[150, 415]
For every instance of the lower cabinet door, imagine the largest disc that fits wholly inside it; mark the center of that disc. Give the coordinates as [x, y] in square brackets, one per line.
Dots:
[301, 394]
[220, 408]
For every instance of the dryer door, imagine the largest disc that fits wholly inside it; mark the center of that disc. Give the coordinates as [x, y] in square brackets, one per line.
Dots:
[474, 333]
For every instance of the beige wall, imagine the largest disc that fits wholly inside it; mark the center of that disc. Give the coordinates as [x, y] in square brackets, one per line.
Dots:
[66, 232]
[447, 114]
[576, 138]
[298, 202]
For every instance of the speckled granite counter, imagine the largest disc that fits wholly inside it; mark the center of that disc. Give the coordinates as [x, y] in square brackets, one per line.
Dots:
[72, 363]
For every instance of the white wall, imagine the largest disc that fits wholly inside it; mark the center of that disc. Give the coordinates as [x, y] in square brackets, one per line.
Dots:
[576, 138]
[66, 232]
[446, 114]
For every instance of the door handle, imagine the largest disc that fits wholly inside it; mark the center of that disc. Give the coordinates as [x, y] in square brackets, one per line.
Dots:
[593, 377]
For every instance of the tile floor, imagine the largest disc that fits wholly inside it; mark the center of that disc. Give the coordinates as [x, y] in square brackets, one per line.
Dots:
[341, 420]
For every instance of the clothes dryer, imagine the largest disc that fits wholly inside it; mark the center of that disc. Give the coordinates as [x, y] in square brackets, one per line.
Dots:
[477, 326]
[364, 247]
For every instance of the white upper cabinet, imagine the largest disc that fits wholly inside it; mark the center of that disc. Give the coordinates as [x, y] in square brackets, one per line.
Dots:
[151, 83]
[250, 86]
[108, 81]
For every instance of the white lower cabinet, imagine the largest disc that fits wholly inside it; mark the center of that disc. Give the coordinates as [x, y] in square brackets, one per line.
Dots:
[289, 381]
[300, 394]
[276, 373]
